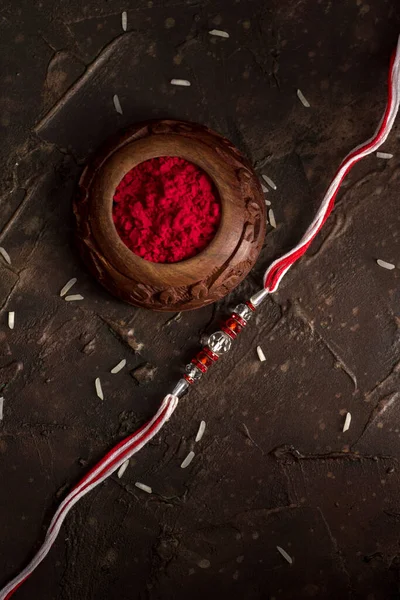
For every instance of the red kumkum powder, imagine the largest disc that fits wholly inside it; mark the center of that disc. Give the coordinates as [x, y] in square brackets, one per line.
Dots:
[166, 209]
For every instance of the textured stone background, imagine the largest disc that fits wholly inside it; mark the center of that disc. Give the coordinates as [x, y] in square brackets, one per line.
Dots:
[273, 467]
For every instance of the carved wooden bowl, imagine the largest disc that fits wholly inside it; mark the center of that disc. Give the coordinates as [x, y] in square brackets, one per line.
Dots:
[191, 283]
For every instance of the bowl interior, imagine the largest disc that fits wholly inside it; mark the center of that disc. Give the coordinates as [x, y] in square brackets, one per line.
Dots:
[166, 211]
[187, 271]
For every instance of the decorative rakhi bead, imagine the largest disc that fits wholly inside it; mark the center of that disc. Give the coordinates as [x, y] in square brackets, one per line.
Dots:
[244, 311]
[257, 298]
[203, 361]
[180, 388]
[219, 342]
[210, 354]
[231, 327]
[192, 374]
[199, 365]
[239, 319]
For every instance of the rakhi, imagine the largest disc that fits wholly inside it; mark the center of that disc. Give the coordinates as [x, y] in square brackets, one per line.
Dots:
[221, 341]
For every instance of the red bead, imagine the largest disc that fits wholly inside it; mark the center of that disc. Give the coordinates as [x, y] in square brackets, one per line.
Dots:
[210, 354]
[229, 332]
[199, 365]
[203, 361]
[251, 306]
[239, 319]
[188, 379]
[231, 327]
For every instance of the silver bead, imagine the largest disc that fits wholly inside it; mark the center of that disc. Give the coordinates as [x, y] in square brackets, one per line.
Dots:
[180, 388]
[243, 311]
[193, 372]
[258, 297]
[219, 342]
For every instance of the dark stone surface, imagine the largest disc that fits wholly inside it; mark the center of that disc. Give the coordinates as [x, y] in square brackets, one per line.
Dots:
[273, 468]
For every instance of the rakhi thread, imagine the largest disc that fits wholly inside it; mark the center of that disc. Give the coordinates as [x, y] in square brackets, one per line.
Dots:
[278, 268]
[104, 468]
[219, 342]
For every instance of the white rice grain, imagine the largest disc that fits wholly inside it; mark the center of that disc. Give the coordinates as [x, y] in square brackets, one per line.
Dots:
[1, 408]
[267, 202]
[385, 265]
[73, 298]
[144, 487]
[119, 366]
[347, 422]
[122, 469]
[264, 189]
[99, 389]
[201, 430]
[269, 181]
[271, 218]
[68, 286]
[188, 460]
[5, 255]
[303, 99]
[11, 319]
[182, 82]
[260, 354]
[219, 33]
[285, 555]
[124, 20]
[384, 155]
[117, 104]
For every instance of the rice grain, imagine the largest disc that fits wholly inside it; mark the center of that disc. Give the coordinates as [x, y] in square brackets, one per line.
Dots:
[200, 431]
[219, 33]
[122, 469]
[384, 155]
[285, 555]
[1, 408]
[117, 104]
[68, 286]
[144, 487]
[188, 460]
[182, 82]
[347, 422]
[119, 366]
[5, 255]
[385, 265]
[124, 20]
[271, 218]
[99, 389]
[269, 181]
[303, 99]
[73, 298]
[260, 354]
[11, 319]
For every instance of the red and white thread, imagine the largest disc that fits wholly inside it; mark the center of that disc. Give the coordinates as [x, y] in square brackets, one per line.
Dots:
[133, 443]
[105, 467]
[279, 267]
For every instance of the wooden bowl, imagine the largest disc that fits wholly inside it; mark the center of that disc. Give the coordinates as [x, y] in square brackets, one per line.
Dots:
[191, 283]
